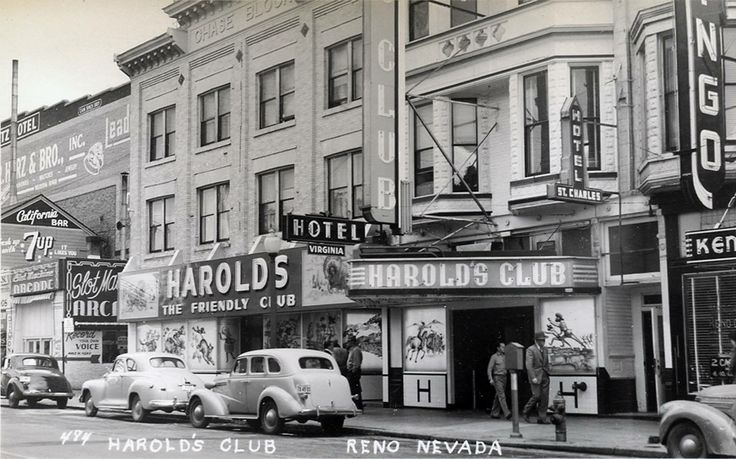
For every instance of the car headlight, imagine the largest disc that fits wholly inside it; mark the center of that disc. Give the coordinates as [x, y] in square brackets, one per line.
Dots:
[24, 379]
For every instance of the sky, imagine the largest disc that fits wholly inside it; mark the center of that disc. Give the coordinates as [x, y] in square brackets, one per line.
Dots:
[65, 48]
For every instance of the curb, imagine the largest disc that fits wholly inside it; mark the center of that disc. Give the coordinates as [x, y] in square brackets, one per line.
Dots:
[599, 450]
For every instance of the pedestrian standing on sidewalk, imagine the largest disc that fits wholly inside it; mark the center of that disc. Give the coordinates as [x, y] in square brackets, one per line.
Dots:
[537, 367]
[497, 378]
[340, 354]
[355, 360]
[732, 363]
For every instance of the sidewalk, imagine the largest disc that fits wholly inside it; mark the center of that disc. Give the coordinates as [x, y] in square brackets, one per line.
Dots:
[585, 434]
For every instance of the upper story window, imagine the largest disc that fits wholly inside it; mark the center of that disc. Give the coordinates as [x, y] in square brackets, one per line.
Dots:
[584, 81]
[214, 116]
[345, 68]
[345, 184]
[418, 19]
[536, 124]
[423, 153]
[276, 198]
[214, 210]
[161, 224]
[276, 95]
[639, 246]
[464, 143]
[669, 89]
[463, 11]
[576, 242]
[162, 129]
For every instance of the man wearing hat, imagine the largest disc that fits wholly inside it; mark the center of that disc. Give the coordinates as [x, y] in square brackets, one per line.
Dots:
[537, 366]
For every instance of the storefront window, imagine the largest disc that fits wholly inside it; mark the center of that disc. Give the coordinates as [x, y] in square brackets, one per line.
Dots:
[639, 245]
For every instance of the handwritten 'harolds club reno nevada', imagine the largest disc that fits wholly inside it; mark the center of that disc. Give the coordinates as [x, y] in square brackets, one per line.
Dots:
[383, 228]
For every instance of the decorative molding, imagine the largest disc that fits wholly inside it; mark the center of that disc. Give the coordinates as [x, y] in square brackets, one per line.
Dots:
[214, 55]
[173, 73]
[190, 12]
[291, 23]
[152, 54]
[328, 8]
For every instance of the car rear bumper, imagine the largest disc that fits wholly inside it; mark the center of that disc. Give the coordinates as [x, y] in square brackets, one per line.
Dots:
[327, 411]
[174, 404]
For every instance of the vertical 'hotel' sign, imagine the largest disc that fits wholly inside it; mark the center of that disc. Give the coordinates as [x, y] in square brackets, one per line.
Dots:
[379, 111]
[698, 35]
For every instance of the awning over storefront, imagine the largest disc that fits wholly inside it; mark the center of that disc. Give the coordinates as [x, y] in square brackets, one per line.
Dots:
[18, 300]
[472, 276]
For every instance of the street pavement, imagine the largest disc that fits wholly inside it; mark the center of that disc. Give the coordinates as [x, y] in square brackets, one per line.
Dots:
[419, 432]
[47, 432]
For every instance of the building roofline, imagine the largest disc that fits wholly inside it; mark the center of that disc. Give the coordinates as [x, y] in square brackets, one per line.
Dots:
[156, 51]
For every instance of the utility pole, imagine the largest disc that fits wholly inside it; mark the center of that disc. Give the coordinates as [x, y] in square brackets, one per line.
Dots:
[13, 134]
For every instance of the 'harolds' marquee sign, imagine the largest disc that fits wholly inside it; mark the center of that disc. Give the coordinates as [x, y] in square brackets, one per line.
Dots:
[469, 276]
[710, 245]
[699, 57]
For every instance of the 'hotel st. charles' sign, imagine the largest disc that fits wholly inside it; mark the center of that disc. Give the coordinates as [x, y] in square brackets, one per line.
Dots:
[710, 245]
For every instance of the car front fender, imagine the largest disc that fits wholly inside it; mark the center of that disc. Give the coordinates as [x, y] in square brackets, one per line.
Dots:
[212, 402]
[95, 388]
[288, 407]
[719, 430]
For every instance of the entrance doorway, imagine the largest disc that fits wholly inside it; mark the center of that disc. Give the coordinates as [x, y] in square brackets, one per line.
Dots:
[475, 336]
[653, 341]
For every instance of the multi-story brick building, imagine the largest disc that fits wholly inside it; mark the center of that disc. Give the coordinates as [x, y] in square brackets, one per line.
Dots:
[63, 202]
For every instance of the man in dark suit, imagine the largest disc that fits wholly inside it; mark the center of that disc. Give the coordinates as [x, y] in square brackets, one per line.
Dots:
[537, 366]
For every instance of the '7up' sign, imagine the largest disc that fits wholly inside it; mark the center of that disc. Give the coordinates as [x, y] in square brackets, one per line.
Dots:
[39, 243]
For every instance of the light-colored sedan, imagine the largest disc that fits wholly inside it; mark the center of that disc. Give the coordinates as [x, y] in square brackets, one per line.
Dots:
[266, 388]
[701, 428]
[141, 382]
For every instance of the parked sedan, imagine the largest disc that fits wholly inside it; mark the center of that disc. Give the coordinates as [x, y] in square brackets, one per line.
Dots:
[141, 382]
[266, 388]
[33, 377]
[701, 428]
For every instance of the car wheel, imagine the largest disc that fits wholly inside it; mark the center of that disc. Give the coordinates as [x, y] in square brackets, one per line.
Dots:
[196, 414]
[89, 407]
[686, 440]
[333, 424]
[271, 423]
[136, 406]
[32, 402]
[62, 402]
[13, 398]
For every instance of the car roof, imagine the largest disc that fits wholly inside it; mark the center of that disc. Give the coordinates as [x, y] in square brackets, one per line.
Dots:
[286, 353]
[23, 356]
[148, 355]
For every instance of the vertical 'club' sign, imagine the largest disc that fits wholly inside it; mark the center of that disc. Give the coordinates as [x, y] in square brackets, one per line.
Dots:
[699, 51]
[379, 112]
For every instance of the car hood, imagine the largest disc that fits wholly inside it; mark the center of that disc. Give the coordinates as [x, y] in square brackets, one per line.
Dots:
[719, 397]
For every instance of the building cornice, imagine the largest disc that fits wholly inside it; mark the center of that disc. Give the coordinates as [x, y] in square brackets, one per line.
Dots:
[188, 12]
[153, 53]
[648, 16]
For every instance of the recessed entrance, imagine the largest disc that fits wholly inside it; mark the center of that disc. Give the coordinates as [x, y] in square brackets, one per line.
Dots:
[476, 333]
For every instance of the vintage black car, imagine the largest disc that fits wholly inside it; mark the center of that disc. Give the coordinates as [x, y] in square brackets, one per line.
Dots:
[33, 377]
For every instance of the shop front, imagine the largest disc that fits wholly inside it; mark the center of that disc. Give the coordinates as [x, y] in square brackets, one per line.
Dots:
[447, 315]
[208, 312]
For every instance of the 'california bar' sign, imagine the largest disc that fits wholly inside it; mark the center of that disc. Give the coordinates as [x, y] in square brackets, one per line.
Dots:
[710, 245]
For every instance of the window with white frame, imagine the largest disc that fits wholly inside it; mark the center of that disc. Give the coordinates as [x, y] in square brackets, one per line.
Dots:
[345, 72]
[162, 129]
[536, 124]
[669, 91]
[214, 210]
[276, 95]
[214, 116]
[38, 345]
[423, 152]
[161, 224]
[462, 11]
[275, 198]
[584, 82]
[634, 248]
[464, 143]
[418, 19]
[345, 184]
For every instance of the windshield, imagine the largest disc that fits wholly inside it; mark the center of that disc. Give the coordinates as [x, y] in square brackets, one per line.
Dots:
[166, 362]
[320, 363]
[43, 362]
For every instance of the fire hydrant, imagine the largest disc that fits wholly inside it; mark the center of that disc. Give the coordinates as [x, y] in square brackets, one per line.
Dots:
[558, 418]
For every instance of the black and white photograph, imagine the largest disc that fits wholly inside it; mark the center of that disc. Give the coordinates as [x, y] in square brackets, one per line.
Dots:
[367, 228]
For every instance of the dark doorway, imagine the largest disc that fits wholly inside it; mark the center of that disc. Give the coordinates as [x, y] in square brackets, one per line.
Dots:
[650, 363]
[476, 333]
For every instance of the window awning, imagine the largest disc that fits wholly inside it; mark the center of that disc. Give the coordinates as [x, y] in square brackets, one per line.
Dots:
[27, 299]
